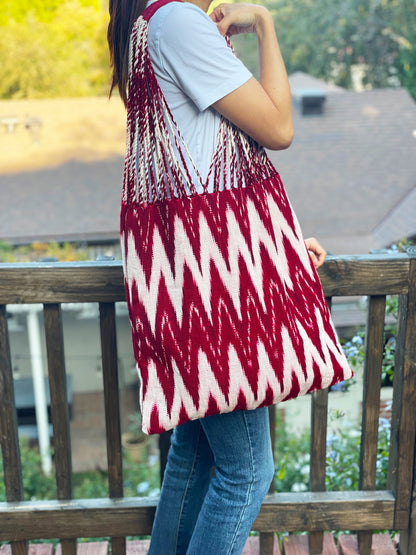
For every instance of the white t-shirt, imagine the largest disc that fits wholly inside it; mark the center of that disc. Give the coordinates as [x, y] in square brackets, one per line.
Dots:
[194, 67]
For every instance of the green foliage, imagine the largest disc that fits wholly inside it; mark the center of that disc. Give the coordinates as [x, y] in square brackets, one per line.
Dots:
[36, 485]
[53, 48]
[292, 459]
[139, 479]
[342, 460]
[329, 39]
[58, 47]
[355, 349]
[65, 252]
[292, 467]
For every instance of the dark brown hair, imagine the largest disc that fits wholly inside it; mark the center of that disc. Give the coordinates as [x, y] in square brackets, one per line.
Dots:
[123, 13]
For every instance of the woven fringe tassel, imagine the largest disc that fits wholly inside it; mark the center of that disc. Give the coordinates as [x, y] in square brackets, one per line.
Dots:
[157, 160]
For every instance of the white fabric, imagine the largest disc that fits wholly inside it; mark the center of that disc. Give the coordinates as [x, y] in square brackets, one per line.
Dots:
[194, 67]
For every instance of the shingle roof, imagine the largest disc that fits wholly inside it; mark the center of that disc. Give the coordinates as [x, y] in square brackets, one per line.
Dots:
[67, 186]
[350, 173]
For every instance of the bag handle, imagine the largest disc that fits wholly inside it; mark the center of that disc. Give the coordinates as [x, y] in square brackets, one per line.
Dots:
[154, 6]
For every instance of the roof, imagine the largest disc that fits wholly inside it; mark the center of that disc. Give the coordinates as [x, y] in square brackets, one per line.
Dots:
[350, 172]
[62, 180]
[301, 80]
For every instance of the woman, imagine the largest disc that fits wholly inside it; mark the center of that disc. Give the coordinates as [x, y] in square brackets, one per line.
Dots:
[204, 84]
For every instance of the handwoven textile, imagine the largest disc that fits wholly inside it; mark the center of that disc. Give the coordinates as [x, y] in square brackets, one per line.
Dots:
[226, 308]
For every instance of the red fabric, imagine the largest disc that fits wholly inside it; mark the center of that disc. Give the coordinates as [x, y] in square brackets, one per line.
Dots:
[226, 308]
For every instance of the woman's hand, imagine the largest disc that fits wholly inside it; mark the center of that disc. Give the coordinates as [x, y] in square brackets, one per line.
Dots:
[316, 251]
[235, 19]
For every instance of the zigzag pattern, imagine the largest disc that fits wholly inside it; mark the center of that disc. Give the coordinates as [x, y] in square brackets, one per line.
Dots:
[227, 310]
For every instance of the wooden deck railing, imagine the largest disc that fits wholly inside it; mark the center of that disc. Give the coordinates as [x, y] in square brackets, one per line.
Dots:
[314, 511]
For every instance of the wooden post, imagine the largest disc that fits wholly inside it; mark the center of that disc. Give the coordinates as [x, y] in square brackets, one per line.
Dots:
[317, 473]
[112, 409]
[401, 461]
[8, 427]
[267, 538]
[59, 409]
[374, 348]
[164, 445]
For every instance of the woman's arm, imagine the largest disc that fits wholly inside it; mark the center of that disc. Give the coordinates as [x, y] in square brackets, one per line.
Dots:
[260, 108]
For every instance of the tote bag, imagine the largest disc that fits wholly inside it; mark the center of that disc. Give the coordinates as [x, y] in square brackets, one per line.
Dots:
[226, 308]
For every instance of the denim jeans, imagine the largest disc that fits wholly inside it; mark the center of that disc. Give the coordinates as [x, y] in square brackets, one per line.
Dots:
[203, 515]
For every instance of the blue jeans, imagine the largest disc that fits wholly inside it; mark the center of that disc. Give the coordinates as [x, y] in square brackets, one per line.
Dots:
[203, 515]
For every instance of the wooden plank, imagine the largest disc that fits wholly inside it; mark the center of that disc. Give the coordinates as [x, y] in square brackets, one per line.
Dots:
[319, 426]
[252, 547]
[267, 539]
[272, 428]
[319, 420]
[403, 429]
[408, 537]
[164, 445]
[12, 467]
[317, 511]
[59, 409]
[134, 516]
[111, 398]
[374, 348]
[265, 543]
[112, 410]
[88, 548]
[317, 473]
[381, 544]
[62, 282]
[410, 534]
[8, 418]
[59, 404]
[299, 545]
[69, 546]
[365, 275]
[118, 546]
[19, 548]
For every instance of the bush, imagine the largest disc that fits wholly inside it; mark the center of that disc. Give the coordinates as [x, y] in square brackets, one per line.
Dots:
[139, 479]
[292, 467]
[342, 459]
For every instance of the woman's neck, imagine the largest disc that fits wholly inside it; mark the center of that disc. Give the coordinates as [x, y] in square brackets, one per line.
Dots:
[203, 4]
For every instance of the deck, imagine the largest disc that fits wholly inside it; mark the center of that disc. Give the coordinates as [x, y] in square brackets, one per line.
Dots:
[382, 544]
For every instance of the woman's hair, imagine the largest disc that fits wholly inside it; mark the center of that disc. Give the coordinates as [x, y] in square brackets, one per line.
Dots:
[123, 13]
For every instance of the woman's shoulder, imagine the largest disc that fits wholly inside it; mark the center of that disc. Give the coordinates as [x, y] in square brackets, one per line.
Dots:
[181, 17]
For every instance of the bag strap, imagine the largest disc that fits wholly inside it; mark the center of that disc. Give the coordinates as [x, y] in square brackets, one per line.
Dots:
[154, 6]
[158, 165]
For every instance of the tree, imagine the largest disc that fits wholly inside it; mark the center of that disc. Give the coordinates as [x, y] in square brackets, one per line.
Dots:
[53, 48]
[332, 39]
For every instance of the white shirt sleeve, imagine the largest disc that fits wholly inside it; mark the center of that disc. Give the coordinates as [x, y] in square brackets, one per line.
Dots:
[196, 57]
